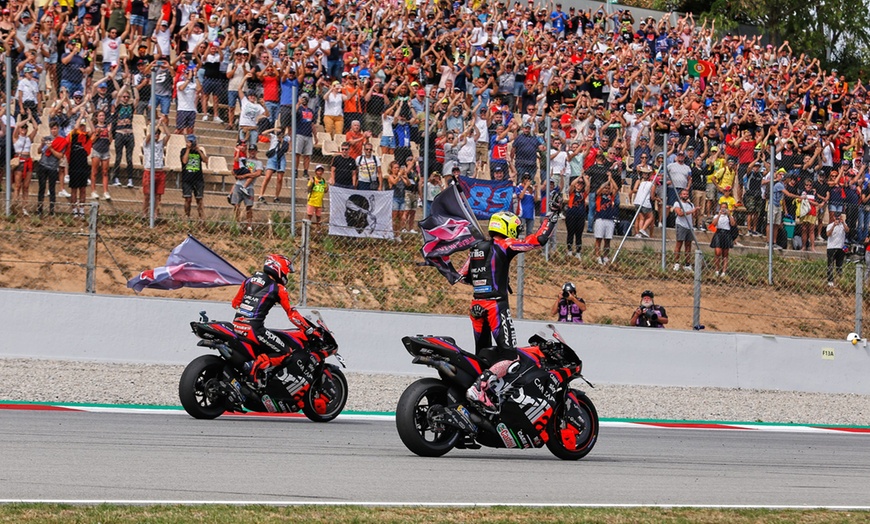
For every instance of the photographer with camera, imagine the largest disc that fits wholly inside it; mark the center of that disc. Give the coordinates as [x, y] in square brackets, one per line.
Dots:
[569, 306]
[648, 314]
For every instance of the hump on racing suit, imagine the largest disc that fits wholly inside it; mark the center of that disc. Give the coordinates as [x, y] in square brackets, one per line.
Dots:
[252, 302]
[488, 266]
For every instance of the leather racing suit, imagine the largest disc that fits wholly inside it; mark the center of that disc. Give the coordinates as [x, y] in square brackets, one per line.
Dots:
[487, 269]
[255, 298]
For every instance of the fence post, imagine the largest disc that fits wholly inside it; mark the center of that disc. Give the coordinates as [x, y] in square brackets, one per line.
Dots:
[153, 146]
[770, 227]
[90, 279]
[293, 95]
[426, 158]
[696, 309]
[8, 160]
[859, 296]
[521, 283]
[548, 125]
[664, 205]
[306, 249]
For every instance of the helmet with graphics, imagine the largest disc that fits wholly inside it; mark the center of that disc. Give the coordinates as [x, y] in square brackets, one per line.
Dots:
[505, 224]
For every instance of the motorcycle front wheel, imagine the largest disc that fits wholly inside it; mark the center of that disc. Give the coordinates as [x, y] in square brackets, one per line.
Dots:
[319, 408]
[567, 441]
[412, 420]
[198, 388]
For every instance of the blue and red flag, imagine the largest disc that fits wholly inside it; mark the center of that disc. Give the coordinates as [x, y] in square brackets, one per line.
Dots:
[487, 197]
[190, 264]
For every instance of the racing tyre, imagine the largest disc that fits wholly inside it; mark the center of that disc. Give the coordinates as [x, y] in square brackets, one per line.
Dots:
[573, 440]
[412, 419]
[321, 408]
[198, 388]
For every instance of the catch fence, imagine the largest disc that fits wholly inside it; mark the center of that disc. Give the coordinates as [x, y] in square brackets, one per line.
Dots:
[100, 252]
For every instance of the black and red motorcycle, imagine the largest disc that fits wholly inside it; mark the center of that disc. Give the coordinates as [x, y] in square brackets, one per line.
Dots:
[214, 384]
[538, 403]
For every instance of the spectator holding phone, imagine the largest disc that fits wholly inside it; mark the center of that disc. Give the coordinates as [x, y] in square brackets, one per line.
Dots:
[722, 239]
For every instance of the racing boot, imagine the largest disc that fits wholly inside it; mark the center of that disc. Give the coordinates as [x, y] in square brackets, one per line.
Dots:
[484, 392]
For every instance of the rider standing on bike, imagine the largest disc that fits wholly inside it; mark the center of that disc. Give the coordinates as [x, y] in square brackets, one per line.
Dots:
[256, 296]
[487, 269]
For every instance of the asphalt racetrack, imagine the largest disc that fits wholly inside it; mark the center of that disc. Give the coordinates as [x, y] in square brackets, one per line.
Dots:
[78, 456]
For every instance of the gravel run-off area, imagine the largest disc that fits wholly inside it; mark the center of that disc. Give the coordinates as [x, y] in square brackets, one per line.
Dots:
[150, 384]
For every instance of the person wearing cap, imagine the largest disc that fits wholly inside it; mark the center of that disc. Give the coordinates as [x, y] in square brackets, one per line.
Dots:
[164, 84]
[648, 314]
[305, 139]
[74, 68]
[163, 38]
[243, 189]
[433, 189]
[679, 174]
[212, 82]
[28, 94]
[187, 88]
[276, 161]
[193, 161]
[752, 200]
[158, 146]
[251, 113]
[237, 70]
[317, 188]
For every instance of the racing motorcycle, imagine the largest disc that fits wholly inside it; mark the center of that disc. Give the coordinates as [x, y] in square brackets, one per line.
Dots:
[214, 384]
[537, 404]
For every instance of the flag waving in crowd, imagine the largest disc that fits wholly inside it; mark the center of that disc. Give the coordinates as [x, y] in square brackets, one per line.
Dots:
[190, 264]
[450, 228]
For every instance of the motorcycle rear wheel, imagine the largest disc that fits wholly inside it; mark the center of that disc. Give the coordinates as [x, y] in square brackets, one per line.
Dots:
[412, 421]
[198, 388]
[584, 438]
[333, 406]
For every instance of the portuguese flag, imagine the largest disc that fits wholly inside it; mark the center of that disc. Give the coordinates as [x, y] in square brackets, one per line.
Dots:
[701, 68]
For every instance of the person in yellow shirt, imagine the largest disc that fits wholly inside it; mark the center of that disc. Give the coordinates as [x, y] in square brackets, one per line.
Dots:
[317, 187]
[725, 175]
[728, 199]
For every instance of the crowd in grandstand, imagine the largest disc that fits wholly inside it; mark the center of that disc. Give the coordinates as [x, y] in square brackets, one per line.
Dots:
[618, 92]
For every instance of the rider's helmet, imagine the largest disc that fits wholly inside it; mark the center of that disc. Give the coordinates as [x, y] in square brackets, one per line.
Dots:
[568, 289]
[506, 224]
[278, 267]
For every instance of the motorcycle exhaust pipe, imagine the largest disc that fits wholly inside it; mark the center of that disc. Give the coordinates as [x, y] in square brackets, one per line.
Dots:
[481, 422]
[440, 365]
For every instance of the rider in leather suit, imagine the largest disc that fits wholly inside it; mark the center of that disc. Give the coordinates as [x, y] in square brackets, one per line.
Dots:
[487, 269]
[256, 296]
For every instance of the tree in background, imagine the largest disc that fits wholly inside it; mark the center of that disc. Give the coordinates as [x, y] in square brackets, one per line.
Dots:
[837, 32]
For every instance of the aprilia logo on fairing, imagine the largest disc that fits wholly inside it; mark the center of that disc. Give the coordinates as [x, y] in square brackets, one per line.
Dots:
[536, 407]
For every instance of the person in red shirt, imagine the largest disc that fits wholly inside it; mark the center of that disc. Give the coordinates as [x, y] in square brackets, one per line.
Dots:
[271, 91]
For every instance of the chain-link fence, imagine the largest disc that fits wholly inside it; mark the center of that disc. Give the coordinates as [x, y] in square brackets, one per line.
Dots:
[69, 253]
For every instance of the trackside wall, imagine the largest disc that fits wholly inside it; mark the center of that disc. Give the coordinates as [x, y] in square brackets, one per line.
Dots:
[70, 326]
